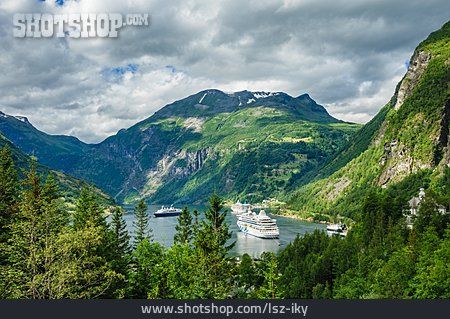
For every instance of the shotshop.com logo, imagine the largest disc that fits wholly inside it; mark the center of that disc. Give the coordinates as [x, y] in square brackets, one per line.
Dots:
[74, 25]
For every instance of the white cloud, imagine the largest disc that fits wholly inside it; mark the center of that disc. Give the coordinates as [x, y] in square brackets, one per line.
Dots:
[348, 55]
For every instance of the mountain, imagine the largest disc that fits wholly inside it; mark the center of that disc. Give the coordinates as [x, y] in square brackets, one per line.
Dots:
[407, 144]
[69, 186]
[56, 151]
[245, 144]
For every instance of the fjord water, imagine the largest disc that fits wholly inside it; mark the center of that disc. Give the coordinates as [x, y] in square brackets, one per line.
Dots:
[163, 229]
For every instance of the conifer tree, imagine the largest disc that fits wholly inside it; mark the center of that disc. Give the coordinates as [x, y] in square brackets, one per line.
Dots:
[214, 232]
[140, 222]
[247, 273]
[184, 227]
[216, 269]
[9, 189]
[120, 250]
[88, 212]
[371, 216]
[195, 225]
[88, 220]
[271, 287]
[120, 241]
[34, 235]
[50, 189]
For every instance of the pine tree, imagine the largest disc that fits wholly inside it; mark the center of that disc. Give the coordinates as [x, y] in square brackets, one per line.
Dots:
[50, 189]
[87, 211]
[216, 269]
[247, 273]
[120, 250]
[9, 189]
[184, 227]
[147, 278]
[54, 222]
[371, 216]
[34, 235]
[195, 225]
[120, 236]
[214, 232]
[28, 233]
[120, 241]
[140, 222]
[88, 219]
[271, 286]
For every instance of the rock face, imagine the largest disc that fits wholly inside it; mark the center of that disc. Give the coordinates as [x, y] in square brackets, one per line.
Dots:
[397, 163]
[401, 158]
[173, 166]
[443, 151]
[417, 66]
[184, 163]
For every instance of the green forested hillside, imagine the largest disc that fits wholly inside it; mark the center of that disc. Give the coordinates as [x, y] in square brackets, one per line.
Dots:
[70, 187]
[411, 137]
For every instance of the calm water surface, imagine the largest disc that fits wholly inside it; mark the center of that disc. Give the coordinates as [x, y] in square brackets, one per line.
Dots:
[164, 230]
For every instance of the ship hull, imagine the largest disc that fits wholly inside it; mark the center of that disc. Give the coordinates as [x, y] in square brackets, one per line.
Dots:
[256, 233]
[167, 214]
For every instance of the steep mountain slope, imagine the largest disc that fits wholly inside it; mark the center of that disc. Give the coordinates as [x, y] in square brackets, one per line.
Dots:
[411, 137]
[56, 151]
[243, 144]
[69, 186]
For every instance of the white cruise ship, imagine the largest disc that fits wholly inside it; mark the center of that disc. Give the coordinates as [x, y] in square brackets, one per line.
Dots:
[258, 225]
[167, 211]
[240, 208]
[337, 229]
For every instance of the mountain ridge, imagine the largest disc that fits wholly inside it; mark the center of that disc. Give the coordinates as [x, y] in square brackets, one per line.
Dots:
[158, 156]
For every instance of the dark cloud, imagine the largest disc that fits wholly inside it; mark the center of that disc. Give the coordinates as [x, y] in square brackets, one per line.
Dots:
[347, 54]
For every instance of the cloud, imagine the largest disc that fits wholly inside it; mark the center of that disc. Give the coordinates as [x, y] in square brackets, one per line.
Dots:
[348, 55]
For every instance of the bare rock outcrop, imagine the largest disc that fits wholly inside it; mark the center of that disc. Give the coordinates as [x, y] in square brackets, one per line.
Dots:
[418, 65]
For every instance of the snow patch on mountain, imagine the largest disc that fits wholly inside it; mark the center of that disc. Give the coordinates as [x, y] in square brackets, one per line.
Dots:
[201, 100]
[19, 118]
[263, 95]
[22, 119]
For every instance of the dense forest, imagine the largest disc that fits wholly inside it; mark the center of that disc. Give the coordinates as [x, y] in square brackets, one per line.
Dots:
[49, 251]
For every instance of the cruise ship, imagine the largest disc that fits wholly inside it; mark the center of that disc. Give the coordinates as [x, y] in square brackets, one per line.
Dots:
[167, 211]
[337, 229]
[258, 225]
[240, 208]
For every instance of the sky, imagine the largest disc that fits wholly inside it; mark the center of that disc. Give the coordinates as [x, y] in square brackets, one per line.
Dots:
[348, 55]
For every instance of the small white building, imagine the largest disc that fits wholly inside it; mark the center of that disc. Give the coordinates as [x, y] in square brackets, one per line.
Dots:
[414, 204]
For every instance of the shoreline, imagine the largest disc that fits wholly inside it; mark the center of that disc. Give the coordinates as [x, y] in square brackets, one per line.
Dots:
[309, 220]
